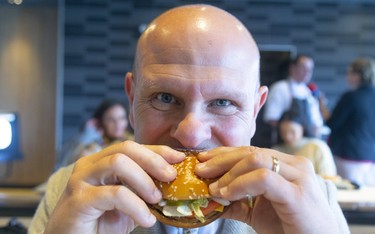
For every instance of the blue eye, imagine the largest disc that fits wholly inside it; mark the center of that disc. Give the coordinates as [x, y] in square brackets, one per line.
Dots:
[222, 102]
[165, 98]
[223, 107]
[164, 102]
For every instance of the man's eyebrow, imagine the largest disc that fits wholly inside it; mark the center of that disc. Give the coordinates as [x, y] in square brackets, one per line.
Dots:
[216, 92]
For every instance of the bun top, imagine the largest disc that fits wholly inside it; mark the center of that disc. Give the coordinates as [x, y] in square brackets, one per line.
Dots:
[187, 185]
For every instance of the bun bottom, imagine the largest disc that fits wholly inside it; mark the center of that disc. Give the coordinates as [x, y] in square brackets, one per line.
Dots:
[183, 222]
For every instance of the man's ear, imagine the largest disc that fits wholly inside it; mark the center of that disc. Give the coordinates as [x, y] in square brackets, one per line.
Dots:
[260, 100]
[130, 89]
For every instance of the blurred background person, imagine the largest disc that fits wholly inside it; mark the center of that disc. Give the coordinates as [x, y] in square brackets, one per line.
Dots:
[293, 142]
[108, 125]
[321, 98]
[293, 94]
[324, 130]
[352, 124]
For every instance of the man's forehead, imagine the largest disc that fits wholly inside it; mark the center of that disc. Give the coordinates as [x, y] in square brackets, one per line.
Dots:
[189, 71]
[211, 79]
[233, 59]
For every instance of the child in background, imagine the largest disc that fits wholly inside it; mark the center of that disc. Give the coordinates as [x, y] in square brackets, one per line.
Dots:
[293, 142]
[107, 126]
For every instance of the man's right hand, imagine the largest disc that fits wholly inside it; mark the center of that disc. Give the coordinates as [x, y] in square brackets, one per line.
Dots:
[107, 191]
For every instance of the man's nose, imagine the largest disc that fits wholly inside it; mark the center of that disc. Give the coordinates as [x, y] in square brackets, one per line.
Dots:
[191, 131]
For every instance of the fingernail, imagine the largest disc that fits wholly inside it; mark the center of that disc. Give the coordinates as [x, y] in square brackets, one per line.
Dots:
[181, 154]
[214, 186]
[200, 166]
[223, 191]
[170, 170]
[151, 219]
[157, 194]
[203, 153]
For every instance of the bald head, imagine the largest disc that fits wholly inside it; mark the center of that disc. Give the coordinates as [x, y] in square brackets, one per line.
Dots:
[200, 35]
[196, 80]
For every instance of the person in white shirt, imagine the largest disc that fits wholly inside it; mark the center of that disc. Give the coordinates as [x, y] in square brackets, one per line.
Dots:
[292, 94]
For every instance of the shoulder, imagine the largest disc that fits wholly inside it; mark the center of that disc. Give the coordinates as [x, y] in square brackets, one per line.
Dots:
[364, 92]
[317, 143]
[57, 182]
[279, 89]
[62, 175]
[55, 186]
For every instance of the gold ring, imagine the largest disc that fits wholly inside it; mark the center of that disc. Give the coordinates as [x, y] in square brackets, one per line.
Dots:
[275, 164]
[250, 201]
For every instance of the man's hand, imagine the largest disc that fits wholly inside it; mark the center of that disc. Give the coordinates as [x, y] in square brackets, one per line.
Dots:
[291, 200]
[107, 191]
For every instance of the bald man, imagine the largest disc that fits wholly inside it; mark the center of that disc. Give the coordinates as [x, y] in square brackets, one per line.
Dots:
[195, 85]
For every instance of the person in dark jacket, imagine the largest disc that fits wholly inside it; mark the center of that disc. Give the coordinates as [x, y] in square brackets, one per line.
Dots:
[352, 124]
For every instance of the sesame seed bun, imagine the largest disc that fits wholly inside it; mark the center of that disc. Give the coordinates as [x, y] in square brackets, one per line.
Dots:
[186, 186]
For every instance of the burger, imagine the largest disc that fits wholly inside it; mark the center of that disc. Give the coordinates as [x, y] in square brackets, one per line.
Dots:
[186, 200]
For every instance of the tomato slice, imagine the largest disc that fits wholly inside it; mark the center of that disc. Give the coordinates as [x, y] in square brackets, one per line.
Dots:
[211, 206]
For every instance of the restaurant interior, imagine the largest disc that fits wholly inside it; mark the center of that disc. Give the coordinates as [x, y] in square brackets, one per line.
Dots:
[60, 58]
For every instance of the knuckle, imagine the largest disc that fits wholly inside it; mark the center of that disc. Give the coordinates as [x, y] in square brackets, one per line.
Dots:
[127, 144]
[304, 163]
[119, 192]
[80, 163]
[74, 186]
[264, 175]
[221, 148]
[256, 159]
[117, 160]
[301, 160]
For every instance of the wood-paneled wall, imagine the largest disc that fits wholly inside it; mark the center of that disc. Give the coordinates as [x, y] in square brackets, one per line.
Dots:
[28, 45]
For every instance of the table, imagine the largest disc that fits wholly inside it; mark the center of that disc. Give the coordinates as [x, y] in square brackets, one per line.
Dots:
[358, 205]
[18, 201]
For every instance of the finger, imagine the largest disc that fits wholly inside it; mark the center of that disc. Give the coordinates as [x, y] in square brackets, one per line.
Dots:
[142, 155]
[218, 164]
[244, 151]
[131, 148]
[259, 182]
[117, 169]
[171, 155]
[206, 155]
[255, 162]
[301, 163]
[241, 161]
[106, 198]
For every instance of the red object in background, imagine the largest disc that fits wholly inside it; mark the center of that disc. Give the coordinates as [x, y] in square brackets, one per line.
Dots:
[314, 89]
